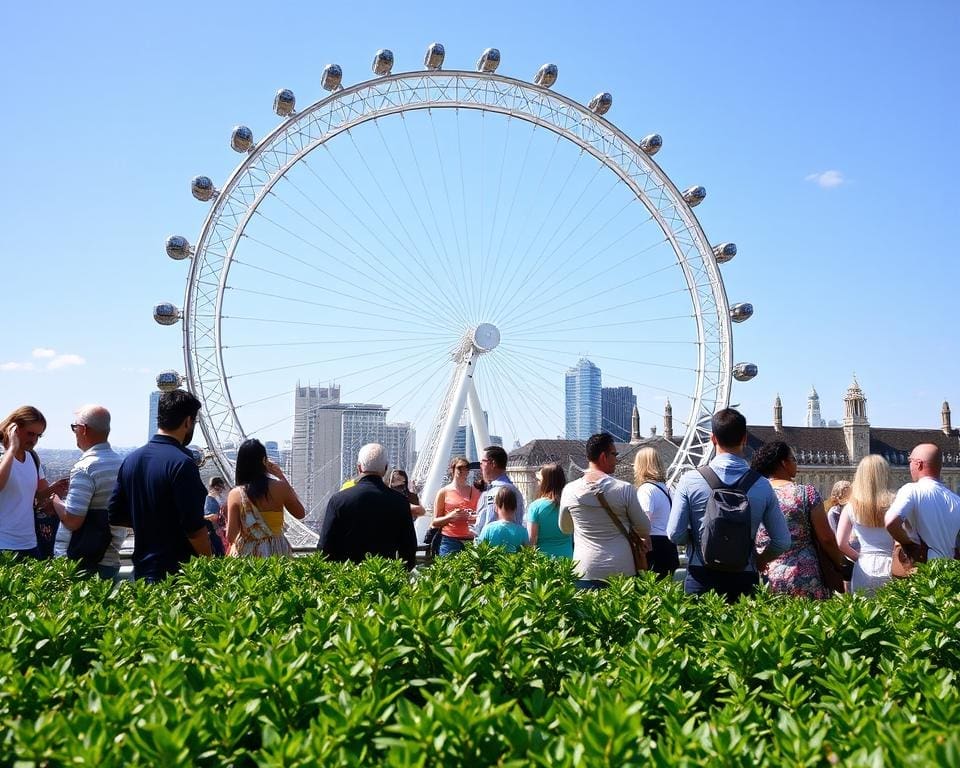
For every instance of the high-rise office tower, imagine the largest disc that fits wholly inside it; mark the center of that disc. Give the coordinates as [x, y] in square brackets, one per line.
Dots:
[340, 430]
[400, 441]
[616, 410]
[582, 390]
[154, 407]
[273, 451]
[307, 400]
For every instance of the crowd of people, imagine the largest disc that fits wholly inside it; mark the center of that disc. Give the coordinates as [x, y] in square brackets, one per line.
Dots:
[741, 524]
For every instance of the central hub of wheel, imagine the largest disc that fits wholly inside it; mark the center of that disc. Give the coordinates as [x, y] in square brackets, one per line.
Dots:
[486, 337]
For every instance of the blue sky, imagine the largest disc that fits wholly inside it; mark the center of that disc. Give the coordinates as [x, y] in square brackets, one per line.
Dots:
[823, 132]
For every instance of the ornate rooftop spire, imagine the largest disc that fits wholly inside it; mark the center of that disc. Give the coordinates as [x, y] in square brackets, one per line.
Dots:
[635, 426]
[814, 419]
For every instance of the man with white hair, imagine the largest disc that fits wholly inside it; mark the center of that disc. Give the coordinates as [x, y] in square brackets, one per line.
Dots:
[83, 514]
[368, 518]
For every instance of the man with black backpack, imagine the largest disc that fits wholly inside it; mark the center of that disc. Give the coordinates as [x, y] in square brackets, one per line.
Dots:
[716, 512]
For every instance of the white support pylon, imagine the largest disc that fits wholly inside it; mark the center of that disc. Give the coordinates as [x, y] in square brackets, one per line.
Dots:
[432, 462]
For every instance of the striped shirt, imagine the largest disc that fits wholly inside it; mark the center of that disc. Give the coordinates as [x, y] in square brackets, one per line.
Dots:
[91, 483]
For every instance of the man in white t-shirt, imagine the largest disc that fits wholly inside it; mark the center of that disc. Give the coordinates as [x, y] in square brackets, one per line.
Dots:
[600, 550]
[930, 508]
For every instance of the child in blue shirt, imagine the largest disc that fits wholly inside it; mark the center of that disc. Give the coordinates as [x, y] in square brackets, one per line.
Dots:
[503, 532]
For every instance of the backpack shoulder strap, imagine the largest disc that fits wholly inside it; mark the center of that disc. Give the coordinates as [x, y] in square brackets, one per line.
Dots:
[746, 482]
[36, 460]
[707, 473]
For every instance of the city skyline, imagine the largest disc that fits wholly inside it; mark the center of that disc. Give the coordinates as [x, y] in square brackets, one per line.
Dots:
[800, 180]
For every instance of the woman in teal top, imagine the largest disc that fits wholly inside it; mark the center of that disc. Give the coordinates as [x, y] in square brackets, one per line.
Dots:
[542, 515]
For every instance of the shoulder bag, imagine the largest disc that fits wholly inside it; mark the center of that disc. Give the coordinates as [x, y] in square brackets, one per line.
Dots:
[633, 538]
[831, 574]
[903, 565]
[89, 542]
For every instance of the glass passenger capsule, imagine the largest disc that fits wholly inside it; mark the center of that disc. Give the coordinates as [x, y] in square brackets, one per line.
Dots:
[201, 187]
[167, 381]
[546, 76]
[178, 247]
[651, 144]
[693, 196]
[489, 60]
[166, 313]
[433, 58]
[241, 139]
[741, 312]
[744, 371]
[724, 252]
[601, 103]
[284, 103]
[382, 62]
[331, 77]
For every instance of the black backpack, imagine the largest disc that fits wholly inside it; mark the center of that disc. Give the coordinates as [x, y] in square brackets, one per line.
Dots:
[727, 538]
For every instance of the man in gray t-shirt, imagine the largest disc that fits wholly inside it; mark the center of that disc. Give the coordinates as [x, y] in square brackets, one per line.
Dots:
[600, 549]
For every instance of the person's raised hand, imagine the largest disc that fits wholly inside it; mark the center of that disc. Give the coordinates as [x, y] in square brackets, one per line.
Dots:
[13, 437]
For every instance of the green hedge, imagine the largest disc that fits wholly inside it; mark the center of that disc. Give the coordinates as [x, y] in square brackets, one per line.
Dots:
[482, 659]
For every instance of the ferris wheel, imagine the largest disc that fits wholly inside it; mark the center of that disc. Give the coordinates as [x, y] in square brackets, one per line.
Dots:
[447, 246]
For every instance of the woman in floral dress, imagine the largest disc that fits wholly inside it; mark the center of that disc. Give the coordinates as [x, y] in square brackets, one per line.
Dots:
[255, 505]
[797, 571]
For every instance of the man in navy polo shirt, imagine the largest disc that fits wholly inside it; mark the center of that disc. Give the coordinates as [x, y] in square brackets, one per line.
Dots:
[160, 495]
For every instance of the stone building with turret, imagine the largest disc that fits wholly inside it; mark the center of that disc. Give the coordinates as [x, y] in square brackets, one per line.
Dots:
[825, 453]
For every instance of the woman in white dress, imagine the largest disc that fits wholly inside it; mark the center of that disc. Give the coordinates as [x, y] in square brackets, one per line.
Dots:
[870, 497]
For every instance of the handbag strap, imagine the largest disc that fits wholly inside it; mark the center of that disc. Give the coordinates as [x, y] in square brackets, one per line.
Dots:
[606, 505]
[661, 489]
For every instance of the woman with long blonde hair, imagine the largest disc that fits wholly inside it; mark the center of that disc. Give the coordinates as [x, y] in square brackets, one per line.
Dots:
[654, 498]
[870, 497]
[23, 484]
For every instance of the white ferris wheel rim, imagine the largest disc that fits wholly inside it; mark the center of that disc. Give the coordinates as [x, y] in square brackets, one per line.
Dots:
[304, 131]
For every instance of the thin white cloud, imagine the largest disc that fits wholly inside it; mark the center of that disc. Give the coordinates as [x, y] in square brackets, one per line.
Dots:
[826, 179]
[54, 361]
[14, 366]
[63, 361]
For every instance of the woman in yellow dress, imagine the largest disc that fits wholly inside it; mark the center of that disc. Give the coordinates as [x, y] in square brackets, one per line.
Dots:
[255, 505]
